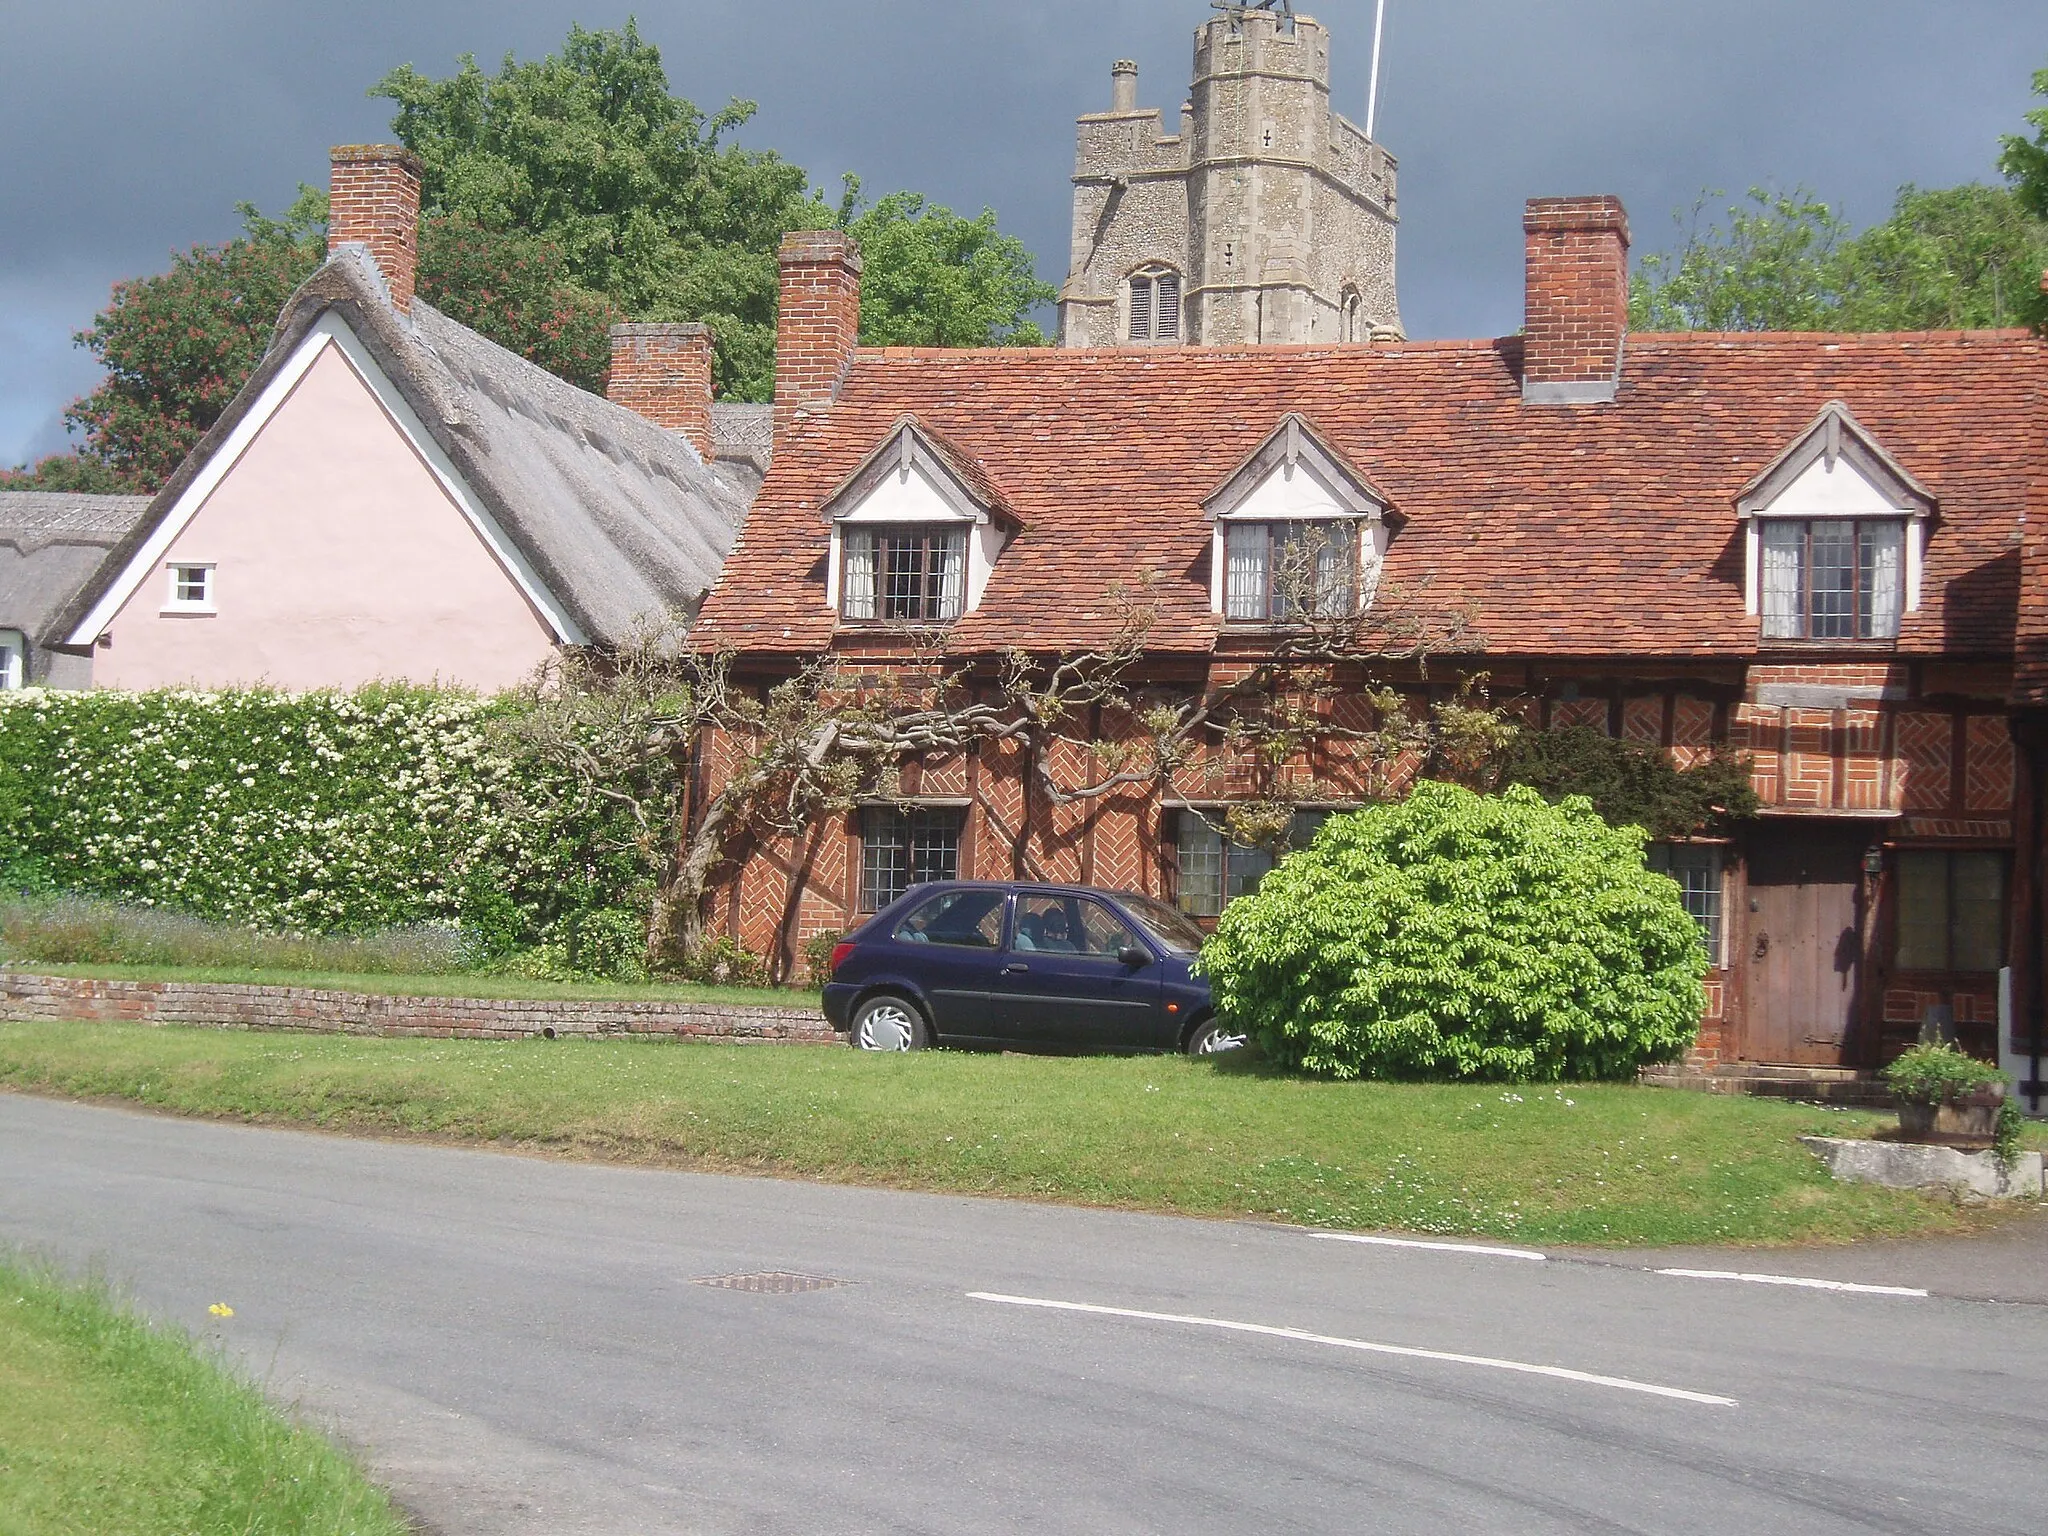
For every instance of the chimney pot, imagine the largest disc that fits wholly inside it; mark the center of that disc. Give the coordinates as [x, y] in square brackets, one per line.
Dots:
[1577, 319]
[663, 372]
[1123, 91]
[374, 201]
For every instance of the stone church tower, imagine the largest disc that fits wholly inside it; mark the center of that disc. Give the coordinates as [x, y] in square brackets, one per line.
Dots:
[1267, 219]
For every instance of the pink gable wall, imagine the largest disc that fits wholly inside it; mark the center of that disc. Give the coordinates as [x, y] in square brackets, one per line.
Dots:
[340, 561]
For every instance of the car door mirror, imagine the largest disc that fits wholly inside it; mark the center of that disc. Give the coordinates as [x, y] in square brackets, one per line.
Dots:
[1132, 954]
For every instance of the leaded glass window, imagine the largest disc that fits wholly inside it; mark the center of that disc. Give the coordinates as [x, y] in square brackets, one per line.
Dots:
[904, 575]
[901, 847]
[1833, 578]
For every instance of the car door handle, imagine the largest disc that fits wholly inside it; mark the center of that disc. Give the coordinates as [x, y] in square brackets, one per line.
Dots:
[1016, 970]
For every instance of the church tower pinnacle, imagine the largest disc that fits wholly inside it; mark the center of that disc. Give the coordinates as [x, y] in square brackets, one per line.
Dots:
[1266, 219]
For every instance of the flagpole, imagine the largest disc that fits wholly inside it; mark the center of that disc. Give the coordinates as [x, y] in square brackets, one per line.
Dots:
[1372, 101]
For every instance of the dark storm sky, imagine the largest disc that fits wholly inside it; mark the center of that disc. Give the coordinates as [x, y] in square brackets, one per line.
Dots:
[133, 126]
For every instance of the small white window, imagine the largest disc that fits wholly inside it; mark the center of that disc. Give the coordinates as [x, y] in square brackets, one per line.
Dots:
[1155, 306]
[13, 659]
[191, 589]
[1697, 869]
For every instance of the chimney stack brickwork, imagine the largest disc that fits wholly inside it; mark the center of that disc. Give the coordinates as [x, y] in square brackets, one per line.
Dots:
[663, 372]
[374, 201]
[817, 325]
[1577, 323]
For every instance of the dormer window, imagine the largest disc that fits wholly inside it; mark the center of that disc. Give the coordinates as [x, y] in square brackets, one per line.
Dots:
[1836, 537]
[1833, 578]
[905, 574]
[1299, 533]
[1155, 306]
[916, 532]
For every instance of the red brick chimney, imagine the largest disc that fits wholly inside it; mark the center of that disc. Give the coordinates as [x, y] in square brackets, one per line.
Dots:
[663, 371]
[1577, 300]
[818, 324]
[374, 201]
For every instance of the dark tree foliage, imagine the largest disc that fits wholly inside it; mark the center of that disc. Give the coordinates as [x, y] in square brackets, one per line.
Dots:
[2025, 163]
[77, 472]
[1632, 783]
[516, 290]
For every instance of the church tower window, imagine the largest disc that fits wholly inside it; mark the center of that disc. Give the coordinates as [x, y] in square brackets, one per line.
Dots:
[1155, 306]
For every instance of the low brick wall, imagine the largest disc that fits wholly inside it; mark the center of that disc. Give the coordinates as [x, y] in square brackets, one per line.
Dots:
[308, 1010]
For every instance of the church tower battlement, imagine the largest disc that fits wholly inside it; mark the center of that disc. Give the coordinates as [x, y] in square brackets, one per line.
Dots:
[1267, 218]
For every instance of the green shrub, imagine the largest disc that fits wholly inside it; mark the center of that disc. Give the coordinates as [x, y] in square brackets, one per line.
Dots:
[1633, 783]
[1459, 936]
[1939, 1074]
[301, 813]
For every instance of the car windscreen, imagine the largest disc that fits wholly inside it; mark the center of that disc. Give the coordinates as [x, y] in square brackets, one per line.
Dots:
[1174, 929]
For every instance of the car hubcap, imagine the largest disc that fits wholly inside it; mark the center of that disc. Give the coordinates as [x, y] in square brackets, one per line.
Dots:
[887, 1028]
[1217, 1041]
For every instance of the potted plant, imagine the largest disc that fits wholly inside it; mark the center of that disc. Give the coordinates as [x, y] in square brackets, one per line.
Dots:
[1946, 1097]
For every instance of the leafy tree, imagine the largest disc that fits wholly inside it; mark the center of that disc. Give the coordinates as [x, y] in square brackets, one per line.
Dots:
[1956, 258]
[516, 290]
[1455, 935]
[2025, 163]
[653, 208]
[1632, 783]
[77, 471]
[649, 205]
[1768, 267]
[178, 346]
[935, 279]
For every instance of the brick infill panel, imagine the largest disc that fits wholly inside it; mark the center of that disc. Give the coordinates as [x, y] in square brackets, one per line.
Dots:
[27, 998]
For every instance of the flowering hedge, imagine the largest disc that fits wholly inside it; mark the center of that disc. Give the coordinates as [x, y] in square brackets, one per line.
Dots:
[313, 813]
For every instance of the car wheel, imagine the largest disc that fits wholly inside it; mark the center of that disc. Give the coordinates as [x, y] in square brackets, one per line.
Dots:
[889, 1024]
[1213, 1038]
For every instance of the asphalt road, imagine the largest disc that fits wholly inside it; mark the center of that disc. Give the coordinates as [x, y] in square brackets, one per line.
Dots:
[519, 1346]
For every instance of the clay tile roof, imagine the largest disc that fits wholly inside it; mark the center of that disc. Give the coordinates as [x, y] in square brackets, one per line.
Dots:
[1585, 530]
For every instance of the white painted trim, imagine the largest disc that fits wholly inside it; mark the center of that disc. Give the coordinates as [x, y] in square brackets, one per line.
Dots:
[1399, 1351]
[13, 660]
[209, 584]
[1753, 568]
[150, 557]
[329, 330]
[1917, 527]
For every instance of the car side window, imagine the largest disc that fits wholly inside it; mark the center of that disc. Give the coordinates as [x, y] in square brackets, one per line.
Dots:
[1045, 924]
[963, 919]
[1102, 932]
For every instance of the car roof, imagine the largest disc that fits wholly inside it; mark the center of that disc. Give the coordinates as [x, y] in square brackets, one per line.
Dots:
[1007, 886]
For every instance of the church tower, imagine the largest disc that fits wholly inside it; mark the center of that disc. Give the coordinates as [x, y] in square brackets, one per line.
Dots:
[1266, 219]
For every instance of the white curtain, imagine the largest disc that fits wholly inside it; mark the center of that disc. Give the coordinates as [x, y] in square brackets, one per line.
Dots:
[857, 578]
[1783, 585]
[1882, 589]
[953, 576]
[1245, 578]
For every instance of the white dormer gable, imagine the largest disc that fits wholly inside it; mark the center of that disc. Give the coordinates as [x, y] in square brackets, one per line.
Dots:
[1295, 477]
[912, 482]
[1836, 470]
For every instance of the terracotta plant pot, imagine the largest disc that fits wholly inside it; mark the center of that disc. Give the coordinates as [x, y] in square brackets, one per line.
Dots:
[1969, 1122]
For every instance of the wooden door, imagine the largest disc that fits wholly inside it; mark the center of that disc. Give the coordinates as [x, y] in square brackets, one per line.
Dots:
[1804, 950]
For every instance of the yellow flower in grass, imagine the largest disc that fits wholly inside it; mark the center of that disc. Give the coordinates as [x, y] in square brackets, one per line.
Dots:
[221, 1309]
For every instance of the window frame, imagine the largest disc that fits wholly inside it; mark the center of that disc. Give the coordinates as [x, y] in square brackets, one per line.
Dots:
[1240, 867]
[13, 660]
[901, 840]
[946, 607]
[175, 600]
[1951, 909]
[1155, 282]
[1281, 533]
[1713, 923]
[1861, 606]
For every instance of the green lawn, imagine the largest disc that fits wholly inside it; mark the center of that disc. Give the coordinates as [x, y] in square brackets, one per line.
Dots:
[437, 986]
[1618, 1165]
[109, 1425]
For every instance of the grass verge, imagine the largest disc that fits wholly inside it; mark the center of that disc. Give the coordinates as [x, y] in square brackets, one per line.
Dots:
[1599, 1165]
[108, 1424]
[441, 985]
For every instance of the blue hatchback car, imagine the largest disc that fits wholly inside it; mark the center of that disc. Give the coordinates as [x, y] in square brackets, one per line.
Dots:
[1044, 967]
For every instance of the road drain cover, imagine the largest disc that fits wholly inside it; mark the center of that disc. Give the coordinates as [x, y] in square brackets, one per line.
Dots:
[772, 1282]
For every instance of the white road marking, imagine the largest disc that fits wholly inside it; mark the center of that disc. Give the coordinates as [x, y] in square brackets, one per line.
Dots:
[1619, 1383]
[1404, 1242]
[1808, 1285]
